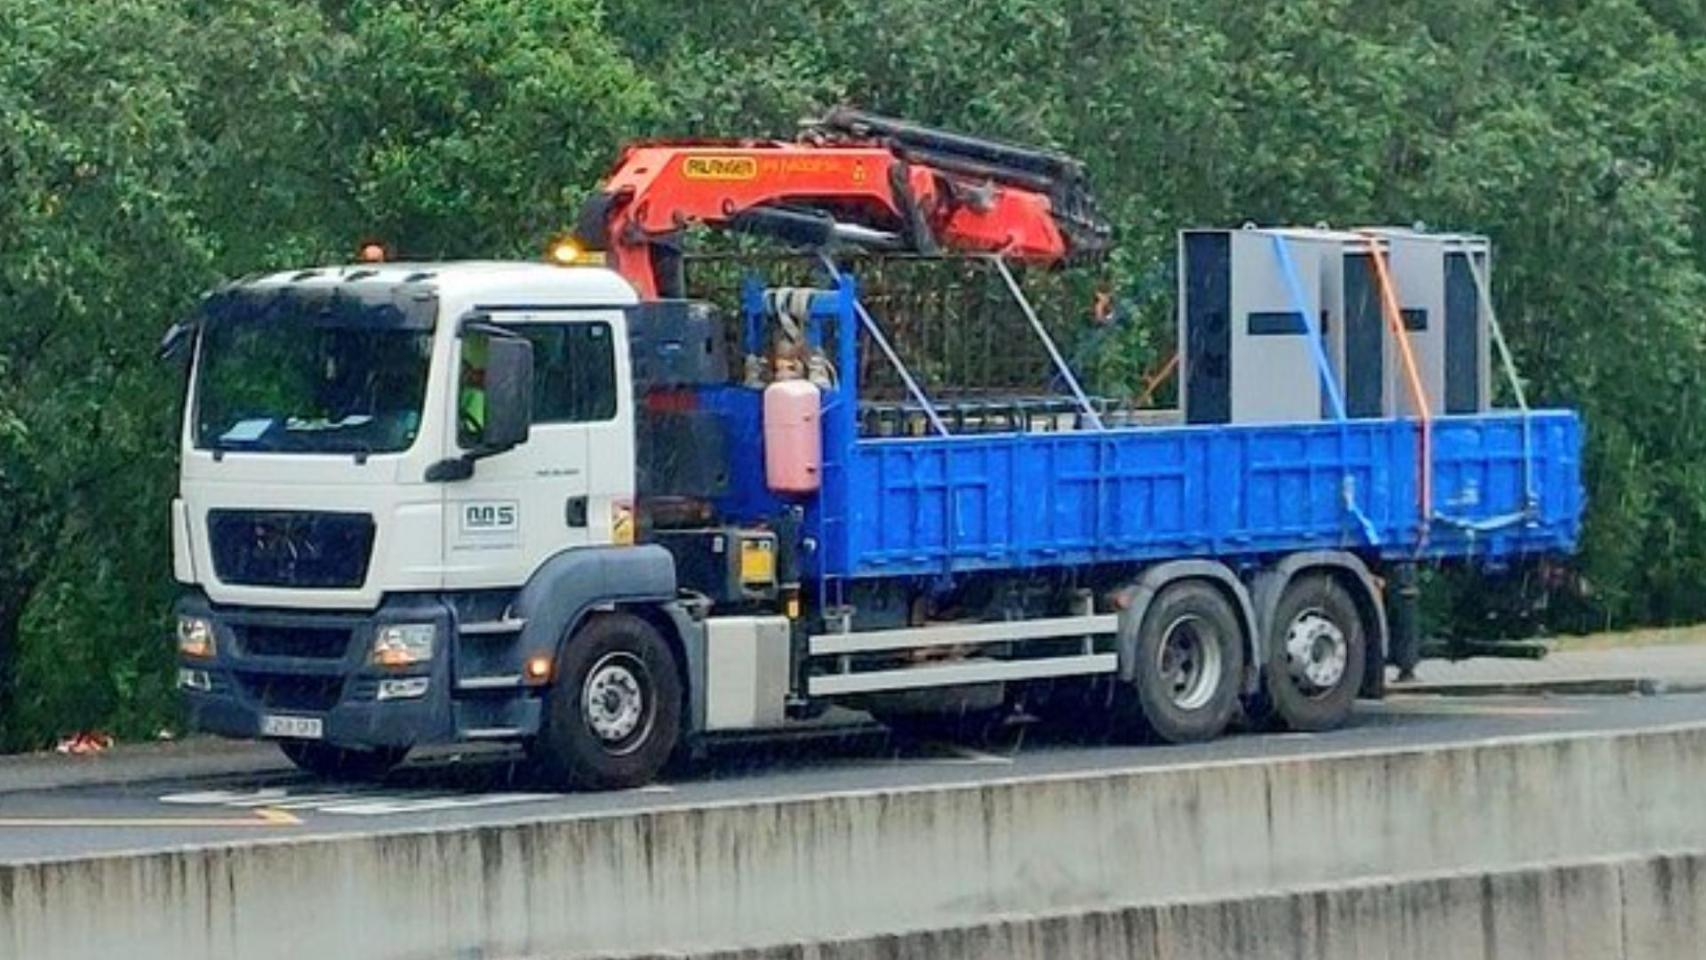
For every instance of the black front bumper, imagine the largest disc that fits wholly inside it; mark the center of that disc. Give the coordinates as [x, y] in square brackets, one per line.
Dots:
[315, 664]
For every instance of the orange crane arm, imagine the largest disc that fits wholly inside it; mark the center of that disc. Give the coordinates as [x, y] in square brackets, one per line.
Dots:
[856, 179]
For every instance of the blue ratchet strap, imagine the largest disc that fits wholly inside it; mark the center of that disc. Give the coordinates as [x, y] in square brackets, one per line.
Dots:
[1300, 303]
[1531, 500]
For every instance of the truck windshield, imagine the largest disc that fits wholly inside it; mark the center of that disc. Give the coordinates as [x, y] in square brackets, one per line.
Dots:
[278, 386]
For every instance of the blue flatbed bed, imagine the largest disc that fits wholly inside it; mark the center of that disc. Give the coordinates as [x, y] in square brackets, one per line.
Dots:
[931, 505]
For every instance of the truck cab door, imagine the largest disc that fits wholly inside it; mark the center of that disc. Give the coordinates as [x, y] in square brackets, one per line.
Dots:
[567, 484]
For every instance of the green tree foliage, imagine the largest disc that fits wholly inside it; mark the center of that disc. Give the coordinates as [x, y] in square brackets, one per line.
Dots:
[148, 147]
[99, 242]
[475, 124]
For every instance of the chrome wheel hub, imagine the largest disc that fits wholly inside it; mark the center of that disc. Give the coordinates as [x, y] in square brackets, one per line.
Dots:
[614, 698]
[1315, 651]
[1188, 662]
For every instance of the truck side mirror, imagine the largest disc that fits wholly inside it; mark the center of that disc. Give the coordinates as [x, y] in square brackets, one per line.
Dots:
[509, 394]
[507, 404]
[178, 336]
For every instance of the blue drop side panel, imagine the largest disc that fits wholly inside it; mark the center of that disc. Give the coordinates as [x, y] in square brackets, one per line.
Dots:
[938, 505]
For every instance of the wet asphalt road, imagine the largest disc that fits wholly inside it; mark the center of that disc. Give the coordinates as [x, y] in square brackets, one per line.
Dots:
[449, 792]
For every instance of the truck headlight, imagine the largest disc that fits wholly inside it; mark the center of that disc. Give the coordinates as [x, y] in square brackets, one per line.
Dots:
[403, 644]
[195, 638]
[195, 680]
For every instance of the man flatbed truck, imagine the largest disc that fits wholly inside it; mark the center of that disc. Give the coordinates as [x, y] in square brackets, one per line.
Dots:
[534, 503]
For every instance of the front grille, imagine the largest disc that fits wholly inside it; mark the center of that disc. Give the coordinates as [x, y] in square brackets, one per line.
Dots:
[283, 691]
[290, 548]
[316, 643]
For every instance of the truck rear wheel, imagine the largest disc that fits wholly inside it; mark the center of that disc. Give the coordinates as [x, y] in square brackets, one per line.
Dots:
[341, 763]
[1190, 658]
[1316, 650]
[613, 715]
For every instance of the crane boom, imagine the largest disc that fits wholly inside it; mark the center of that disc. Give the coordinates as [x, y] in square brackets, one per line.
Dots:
[852, 177]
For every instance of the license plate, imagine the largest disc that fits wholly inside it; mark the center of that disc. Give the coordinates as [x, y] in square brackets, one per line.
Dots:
[300, 728]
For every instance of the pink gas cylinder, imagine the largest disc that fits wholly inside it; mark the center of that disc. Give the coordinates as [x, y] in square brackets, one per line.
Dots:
[793, 440]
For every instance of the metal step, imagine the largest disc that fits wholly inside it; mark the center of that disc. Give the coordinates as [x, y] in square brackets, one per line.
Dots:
[503, 682]
[493, 733]
[491, 627]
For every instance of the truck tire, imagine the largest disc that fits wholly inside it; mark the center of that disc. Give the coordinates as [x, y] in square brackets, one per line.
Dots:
[1190, 658]
[341, 763]
[613, 713]
[1315, 655]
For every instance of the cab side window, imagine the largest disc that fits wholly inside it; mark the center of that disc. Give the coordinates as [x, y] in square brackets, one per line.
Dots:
[574, 372]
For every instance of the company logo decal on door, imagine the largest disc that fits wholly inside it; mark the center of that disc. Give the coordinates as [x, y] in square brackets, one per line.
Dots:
[486, 524]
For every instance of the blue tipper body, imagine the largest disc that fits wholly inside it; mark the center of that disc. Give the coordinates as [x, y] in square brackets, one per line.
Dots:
[944, 505]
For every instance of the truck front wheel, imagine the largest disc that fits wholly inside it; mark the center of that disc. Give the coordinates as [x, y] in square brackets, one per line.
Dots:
[1190, 660]
[613, 714]
[1316, 649]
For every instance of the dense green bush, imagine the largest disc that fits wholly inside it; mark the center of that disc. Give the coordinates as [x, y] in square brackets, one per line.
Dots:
[148, 147]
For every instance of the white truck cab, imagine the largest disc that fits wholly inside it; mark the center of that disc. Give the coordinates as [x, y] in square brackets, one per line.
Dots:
[297, 407]
[375, 460]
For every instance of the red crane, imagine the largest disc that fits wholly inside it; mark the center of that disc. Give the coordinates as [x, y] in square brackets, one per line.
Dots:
[851, 178]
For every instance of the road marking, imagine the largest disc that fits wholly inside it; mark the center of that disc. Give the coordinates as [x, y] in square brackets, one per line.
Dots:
[1432, 705]
[966, 755]
[938, 753]
[309, 803]
[231, 798]
[382, 806]
[364, 803]
[262, 817]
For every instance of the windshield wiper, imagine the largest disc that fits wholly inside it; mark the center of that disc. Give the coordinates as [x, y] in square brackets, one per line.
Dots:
[220, 447]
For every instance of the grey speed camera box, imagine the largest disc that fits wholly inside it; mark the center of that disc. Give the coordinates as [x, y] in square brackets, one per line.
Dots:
[1249, 301]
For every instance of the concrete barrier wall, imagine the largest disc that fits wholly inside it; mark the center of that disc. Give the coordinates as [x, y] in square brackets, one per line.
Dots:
[847, 866]
[1648, 908]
